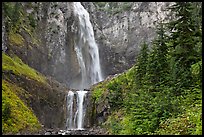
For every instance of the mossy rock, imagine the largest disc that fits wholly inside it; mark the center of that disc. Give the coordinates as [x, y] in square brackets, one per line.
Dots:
[16, 116]
[16, 65]
[43, 94]
[15, 39]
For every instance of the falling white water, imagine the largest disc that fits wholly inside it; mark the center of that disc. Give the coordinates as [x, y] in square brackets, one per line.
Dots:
[77, 121]
[88, 59]
[81, 113]
[86, 49]
[70, 97]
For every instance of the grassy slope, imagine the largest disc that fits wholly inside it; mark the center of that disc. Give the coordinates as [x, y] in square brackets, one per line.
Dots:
[21, 35]
[16, 116]
[16, 65]
[120, 121]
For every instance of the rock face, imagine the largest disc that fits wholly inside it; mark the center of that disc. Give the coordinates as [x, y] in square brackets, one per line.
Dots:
[47, 101]
[4, 47]
[119, 34]
[53, 52]
[55, 25]
[91, 131]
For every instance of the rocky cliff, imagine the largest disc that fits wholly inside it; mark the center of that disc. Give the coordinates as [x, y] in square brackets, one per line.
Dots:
[119, 29]
[30, 101]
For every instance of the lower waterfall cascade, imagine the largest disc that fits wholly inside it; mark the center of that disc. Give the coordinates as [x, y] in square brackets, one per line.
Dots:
[75, 122]
[88, 59]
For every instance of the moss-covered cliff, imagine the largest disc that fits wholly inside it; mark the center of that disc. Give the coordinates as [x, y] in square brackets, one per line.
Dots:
[29, 99]
[16, 116]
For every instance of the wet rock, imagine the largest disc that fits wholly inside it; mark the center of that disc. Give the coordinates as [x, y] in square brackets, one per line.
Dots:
[48, 133]
[90, 131]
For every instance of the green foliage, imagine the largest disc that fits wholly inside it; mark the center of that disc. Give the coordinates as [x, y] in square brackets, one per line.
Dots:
[15, 38]
[97, 93]
[114, 122]
[185, 38]
[162, 92]
[32, 21]
[141, 64]
[100, 4]
[115, 89]
[113, 7]
[16, 66]
[127, 125]
[15, 15]
[16, 116]
[158, 66]
[126, 6]
[196, 70]
[12, 13]
[17, 20]
[188, 123]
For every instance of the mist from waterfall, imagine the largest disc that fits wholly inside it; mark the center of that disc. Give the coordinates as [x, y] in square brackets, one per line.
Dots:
[90, 70]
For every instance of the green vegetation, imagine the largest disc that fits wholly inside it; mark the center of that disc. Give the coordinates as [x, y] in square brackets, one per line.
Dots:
[16, 66]
[16, 39]
[18, 20]
[97, 94]
[187, 123]
[113, 7]
[162, 93]
[16, 116]
[16, 16]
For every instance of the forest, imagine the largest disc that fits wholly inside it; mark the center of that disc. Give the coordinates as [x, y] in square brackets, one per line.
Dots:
[162, 93]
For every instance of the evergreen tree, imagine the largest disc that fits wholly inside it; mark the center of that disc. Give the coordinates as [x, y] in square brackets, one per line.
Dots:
[157, 69]
[141, 64]
[184, 35]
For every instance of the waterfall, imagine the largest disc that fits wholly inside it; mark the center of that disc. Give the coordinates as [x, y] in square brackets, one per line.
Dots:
[70, 97]
[81, 113]
[90, 71]
[75, 122]
[86, 49]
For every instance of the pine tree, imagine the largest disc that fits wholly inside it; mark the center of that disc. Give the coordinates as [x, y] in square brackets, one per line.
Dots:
[184, 35]
[141, 64]
[157, 69]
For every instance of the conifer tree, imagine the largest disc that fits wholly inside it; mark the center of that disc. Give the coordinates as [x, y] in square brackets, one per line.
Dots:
[184, 35]
[157, 64]
[141, 64]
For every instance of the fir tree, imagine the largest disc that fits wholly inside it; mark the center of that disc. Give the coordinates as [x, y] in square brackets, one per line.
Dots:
[157, 64]
[141, 64]
[184, 38]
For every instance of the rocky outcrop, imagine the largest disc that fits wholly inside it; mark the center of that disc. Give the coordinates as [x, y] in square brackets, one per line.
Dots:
[121, 27]
[98, 106]
[90, 131]
[4, 47]
[48, 101]
[49, 48]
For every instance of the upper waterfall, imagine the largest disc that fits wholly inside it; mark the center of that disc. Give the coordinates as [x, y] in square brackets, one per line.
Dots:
[86, 50]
